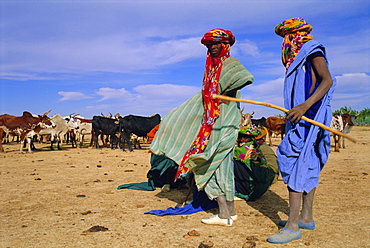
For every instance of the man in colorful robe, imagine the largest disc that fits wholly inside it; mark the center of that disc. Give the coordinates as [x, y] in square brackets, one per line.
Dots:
[308, 89]
[199, 135]
[254, 172]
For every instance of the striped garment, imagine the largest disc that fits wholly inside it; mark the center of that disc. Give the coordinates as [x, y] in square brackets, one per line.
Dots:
[213, 168]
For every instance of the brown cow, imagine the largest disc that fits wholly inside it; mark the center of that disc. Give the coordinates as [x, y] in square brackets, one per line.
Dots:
[275, 125]
[25, 126]
[348, 123]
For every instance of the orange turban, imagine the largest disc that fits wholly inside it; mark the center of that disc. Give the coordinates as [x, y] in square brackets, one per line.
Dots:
[295, 31]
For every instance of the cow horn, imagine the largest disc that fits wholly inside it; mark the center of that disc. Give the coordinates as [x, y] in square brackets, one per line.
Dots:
[71, 114]
[76, 115]
[252, 113]
[242, 110]
[47, 112]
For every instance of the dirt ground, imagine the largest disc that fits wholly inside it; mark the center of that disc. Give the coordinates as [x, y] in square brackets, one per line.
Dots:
[52, 199]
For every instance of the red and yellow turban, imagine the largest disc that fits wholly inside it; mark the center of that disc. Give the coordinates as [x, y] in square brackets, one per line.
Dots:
[218, 35]
[295, 31]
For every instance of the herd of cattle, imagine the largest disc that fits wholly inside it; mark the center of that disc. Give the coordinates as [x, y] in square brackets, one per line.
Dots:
[73, 128]
[122, 131]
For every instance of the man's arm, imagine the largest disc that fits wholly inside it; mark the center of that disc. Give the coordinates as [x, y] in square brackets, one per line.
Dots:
[322, 74]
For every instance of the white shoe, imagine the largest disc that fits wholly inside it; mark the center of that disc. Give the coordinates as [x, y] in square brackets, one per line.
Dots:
[234, 217]
[238, 198]
[215, 220]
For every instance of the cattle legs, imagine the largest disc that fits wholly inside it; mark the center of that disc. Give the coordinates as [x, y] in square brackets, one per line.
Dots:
[1, 140]
[336, 142]
[126, 139]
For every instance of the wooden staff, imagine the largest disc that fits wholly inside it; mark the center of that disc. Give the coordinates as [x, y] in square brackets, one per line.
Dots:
[227, 98]
[189, 191]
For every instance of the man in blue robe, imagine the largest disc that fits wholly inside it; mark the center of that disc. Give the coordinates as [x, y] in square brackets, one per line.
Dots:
[308, 89]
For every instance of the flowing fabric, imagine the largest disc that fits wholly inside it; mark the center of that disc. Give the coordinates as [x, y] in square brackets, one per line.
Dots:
[200, 203]
[209, 88]
[180, 126]
[152, 133]
[302, 156]
[211, 106]
[295, 31]
[161, 173]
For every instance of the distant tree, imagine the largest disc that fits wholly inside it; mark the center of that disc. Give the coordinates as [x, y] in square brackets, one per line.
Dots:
[345, 109]
[365, 112]
[280, 115]
[364, 117]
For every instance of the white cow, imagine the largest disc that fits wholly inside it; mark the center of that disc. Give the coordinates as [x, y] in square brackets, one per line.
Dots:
[62, 127]
[246, 119]
[84, 128]
[337, 124]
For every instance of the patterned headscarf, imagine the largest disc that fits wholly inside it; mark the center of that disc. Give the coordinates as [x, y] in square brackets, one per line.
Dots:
[218, 35]
[249, 151]
[209, 88]
[295, 32]
[251, 131]
[264, 132]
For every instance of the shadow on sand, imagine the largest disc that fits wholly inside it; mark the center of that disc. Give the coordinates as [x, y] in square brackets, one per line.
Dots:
[270, 205]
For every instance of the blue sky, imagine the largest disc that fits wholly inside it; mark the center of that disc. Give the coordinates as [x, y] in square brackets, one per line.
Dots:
[145, 57]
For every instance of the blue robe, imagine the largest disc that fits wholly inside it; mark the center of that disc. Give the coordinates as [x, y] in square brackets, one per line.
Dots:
[305, 149]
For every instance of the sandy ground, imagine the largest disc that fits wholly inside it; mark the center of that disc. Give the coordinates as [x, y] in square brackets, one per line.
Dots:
[52, 198]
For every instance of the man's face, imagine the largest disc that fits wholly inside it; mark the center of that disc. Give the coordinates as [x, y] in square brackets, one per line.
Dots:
[244, 139]
[215, 49]
[261, 141]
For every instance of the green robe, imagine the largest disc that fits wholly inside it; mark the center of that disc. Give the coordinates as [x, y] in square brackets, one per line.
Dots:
[213, 169]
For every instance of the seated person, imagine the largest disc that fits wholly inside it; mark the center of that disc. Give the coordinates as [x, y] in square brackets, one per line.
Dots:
[270, 155]
[253, 173]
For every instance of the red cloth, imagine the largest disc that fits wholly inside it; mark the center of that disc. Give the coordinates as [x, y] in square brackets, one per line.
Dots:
[152, 133]
[210, 87]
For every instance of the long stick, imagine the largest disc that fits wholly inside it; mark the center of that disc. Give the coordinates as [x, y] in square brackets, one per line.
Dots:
[227, 98]
[189, 191]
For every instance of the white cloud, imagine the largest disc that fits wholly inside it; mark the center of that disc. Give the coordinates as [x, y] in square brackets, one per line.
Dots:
[142, 100]
[110, 93]
[246, 47]
[174, 51]
[353, 81]
[166, 92]
[153, 93]
[72, 96]
[100, 107]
